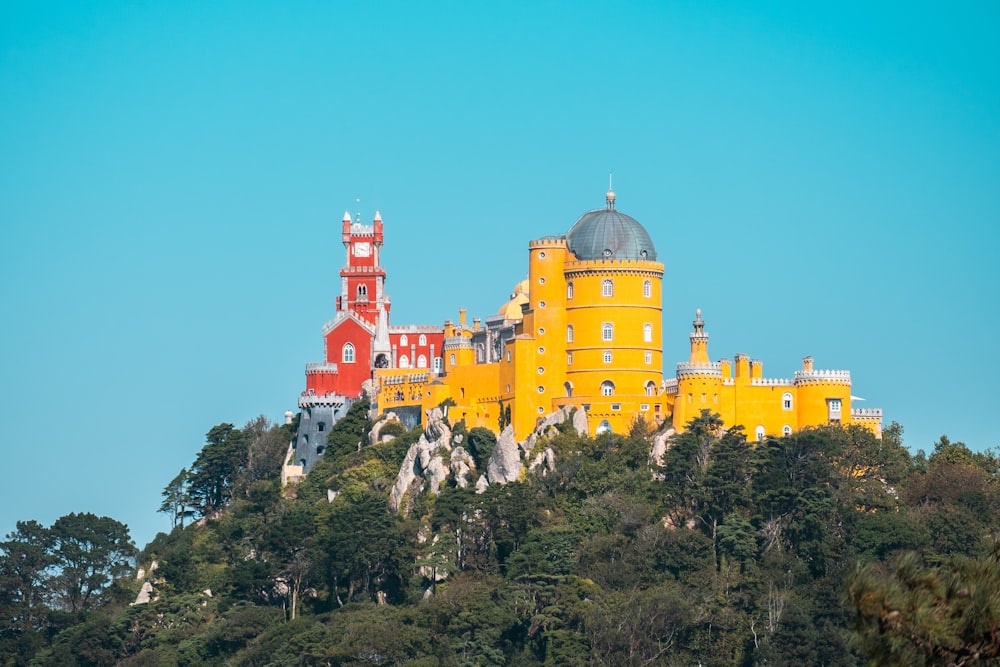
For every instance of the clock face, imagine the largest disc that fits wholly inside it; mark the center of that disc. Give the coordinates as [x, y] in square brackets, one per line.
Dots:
[363, 249]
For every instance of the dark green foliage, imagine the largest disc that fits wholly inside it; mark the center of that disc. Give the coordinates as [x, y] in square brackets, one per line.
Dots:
[730, 553]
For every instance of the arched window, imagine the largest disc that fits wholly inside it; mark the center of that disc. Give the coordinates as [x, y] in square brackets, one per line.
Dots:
[760, 433]
[608, 357]
[403, 340]
[786, 430]
[421, 361]
[607, 331]
[647, 289]
[569, 333]
[648, 357]
[786, 400]
[347, 354]
[451, 359]
[650, 388]
[604, 427]
[607, 287]
[362, 291]
[607, 388]
[569, 290]
[568, 386]
[437, 364]
[422, 340]
[647, 333]
[404, 361]
[321, 426]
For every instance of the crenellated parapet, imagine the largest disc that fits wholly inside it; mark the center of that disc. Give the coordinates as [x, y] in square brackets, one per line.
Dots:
[858, 414]
[575, 269]
[771, 382]
[548, 242]
[458, 343]
[310, 399]
[821, 377]
[699, 369]
[320, 367]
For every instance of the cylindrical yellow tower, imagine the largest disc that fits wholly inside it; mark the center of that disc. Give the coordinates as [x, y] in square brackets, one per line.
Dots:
[613, 332]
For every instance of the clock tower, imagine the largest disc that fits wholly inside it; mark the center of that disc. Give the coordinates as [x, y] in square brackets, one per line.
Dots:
[362, 280]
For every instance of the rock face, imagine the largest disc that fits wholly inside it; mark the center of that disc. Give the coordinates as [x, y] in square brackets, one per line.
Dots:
[424, 462]
[439, 455]
[661, 443]
[375, 436]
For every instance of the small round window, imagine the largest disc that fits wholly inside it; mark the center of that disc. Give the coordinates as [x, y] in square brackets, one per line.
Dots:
[541, 281]
[541, 369]
[541, 304]
[541, 254]
[541, 389]
[541, 331]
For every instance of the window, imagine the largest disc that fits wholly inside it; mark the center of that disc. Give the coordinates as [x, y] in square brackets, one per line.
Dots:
[508, 356]
[569, 358]
[607, 388]
[650, 388]
[568, 386]
[541, 281]
[786, 400]
[541, 389]
[607, 331]
[421, 361]
[541, 369]
[569, 290]
[647, 333]
[541, 254]
[541, 304]
[404, 361]
[437, 364]
[347, 355]
[541, 410]
[607, 287]
[786, 430]
[647, 288]
[422, 340]
[607, 356]
[451, 359]
[760, 433]
[644, 407]
[569, 334]
[541, 350]
[541, 331]
[615, 407]
[321, 426]
[362, 291]
[604, 427]
[648, 357]
[403, 340]
[834, 405]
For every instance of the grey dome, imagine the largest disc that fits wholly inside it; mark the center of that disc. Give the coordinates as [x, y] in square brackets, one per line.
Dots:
[607, 234]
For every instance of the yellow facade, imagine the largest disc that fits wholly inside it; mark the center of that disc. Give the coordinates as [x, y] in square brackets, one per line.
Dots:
[585, 330]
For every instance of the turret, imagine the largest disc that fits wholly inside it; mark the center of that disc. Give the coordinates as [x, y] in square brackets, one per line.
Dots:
[699, 340]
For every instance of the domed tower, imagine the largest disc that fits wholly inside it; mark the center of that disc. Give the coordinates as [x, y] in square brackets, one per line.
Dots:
[613, 330]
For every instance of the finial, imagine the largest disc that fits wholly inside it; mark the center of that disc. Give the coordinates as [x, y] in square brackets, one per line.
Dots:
[358, 215]
[610, 198]
[347, 215]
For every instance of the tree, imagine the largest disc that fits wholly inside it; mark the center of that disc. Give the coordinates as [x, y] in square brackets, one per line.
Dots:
[215, 471]
[90, 552]
[24, 564]
[176, 499]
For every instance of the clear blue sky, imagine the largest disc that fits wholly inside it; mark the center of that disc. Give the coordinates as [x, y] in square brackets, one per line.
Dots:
[820, 180]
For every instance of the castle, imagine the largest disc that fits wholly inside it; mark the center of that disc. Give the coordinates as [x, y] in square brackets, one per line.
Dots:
[583, 331]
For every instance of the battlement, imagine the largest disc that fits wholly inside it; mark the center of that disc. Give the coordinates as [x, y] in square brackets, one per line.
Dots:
[614, 265]
[310, 399]
[320, 367]
[687, 369]
[415, 328]
[822, 377]
[404, 378]
[457, 342]
[548, 242]
[359, 229]
[353, 269]
[771, 382]
[866, 413]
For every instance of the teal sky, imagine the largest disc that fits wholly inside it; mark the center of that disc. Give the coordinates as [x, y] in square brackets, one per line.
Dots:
[820, 179]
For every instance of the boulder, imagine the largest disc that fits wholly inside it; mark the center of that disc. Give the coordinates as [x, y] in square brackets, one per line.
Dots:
[505, 462]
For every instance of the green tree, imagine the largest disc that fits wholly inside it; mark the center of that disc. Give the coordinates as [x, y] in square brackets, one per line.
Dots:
[220, 462]
[176, 500]
[25, 559]
[90, 552]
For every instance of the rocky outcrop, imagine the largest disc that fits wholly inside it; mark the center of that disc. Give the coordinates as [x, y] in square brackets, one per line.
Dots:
[505, 462]
[375, 436]
[462, 466]
[661, 443]
[424, 462]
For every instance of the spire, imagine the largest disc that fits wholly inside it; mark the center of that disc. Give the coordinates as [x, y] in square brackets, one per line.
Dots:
[347, 216]
[699, 340]
[610, 197]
